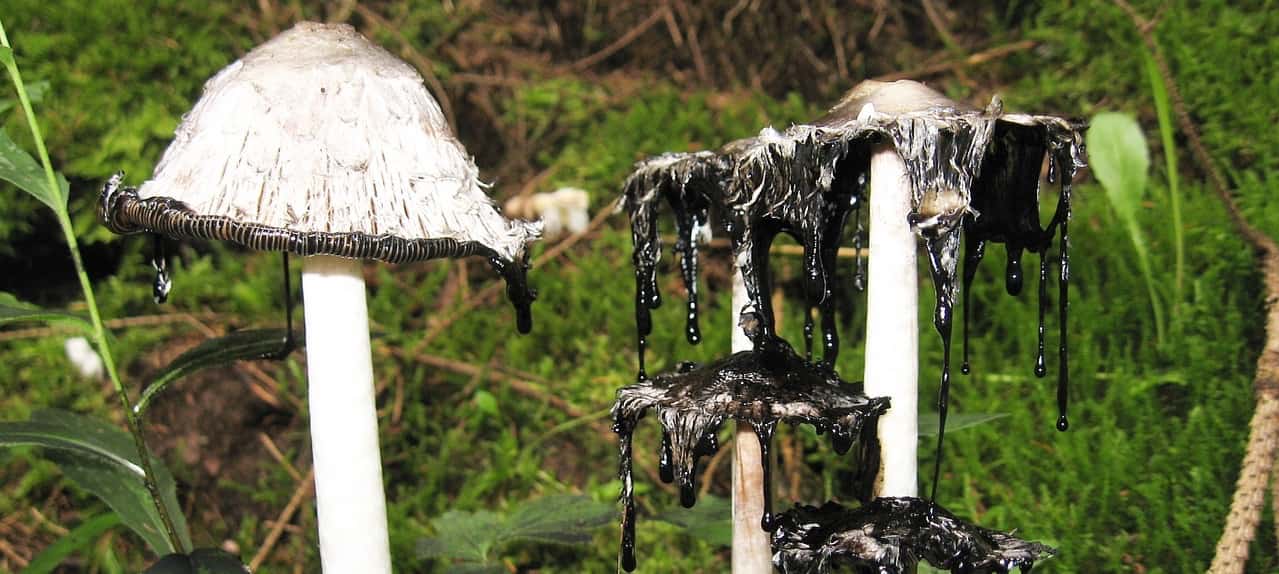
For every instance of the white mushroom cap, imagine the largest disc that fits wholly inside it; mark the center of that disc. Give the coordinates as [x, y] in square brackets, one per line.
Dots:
[319, 131]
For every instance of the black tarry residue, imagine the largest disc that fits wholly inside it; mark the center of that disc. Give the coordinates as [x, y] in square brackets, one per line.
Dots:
[891, 536]
[692, 403]
[685, 182]
[974, 180]
[803, 182]
[1006, 197]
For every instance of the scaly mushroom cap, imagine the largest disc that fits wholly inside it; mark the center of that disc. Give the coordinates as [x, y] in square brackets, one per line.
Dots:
[320, 142]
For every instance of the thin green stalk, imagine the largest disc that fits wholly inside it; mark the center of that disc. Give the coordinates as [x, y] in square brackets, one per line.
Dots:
[1164, 112]
[1143, 259]
[99, 330]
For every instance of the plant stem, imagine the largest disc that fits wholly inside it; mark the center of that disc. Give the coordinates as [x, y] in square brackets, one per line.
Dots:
[99, 331]
[1143, 260]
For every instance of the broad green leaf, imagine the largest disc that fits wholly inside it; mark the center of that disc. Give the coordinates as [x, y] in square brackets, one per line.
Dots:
[1119, 159]
[237, 346]
[20, 169]
[711, 520]
[469, 539]
[12, 310]
[80, 538]
[954, 421]
[101, 459]
[201, 561]
[467, 536]
[558, 519]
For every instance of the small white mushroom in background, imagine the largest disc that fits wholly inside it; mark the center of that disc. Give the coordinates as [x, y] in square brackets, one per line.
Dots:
[561, 211]
[85, 360]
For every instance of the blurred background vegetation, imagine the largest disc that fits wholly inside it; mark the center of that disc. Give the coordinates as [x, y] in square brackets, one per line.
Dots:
[550, 94]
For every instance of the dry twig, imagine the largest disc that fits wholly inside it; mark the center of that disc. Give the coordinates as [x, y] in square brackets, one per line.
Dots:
[301, 493]
[657, 16]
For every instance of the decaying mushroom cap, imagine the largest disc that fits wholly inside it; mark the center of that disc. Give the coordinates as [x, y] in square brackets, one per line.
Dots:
[693, 401]
[891, 535]
[320, 142]
[973, 171]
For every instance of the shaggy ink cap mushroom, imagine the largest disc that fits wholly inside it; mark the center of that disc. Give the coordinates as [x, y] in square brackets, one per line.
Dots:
[319, 142]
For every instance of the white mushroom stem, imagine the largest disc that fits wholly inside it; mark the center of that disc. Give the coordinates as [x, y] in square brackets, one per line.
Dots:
[892, 323]
[344, 439]
[752, 548]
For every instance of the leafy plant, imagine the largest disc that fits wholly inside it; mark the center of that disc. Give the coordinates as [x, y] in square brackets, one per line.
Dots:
[113, 465]
[1120, 160]
[469, 540]
[101, 459]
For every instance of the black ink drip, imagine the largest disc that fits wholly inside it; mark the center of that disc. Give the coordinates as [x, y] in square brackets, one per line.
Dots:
[625, 430]
[163, 283]
[765, 434]
[974, 250]
[1063, 298]
[1040, 368]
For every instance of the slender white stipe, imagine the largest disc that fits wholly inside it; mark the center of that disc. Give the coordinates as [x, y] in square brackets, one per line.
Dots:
[752, 547]
[892, 323]
[348, 468]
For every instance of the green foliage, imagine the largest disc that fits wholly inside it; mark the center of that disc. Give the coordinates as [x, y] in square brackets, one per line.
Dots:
[91, 453]
[471, 538]
[77, 540]
[102, 460]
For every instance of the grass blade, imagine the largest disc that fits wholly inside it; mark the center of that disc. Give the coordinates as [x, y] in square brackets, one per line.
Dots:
[78, 539]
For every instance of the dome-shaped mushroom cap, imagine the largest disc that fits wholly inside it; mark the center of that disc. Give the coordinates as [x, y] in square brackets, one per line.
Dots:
[317, 132]
[895, 98]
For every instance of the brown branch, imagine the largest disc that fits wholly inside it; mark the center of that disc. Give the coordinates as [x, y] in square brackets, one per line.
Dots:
[974, 60]
[1263, 436]
[699, 61]
[624, 41]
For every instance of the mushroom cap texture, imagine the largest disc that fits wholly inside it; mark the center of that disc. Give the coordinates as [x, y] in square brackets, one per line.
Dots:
[321, 131]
